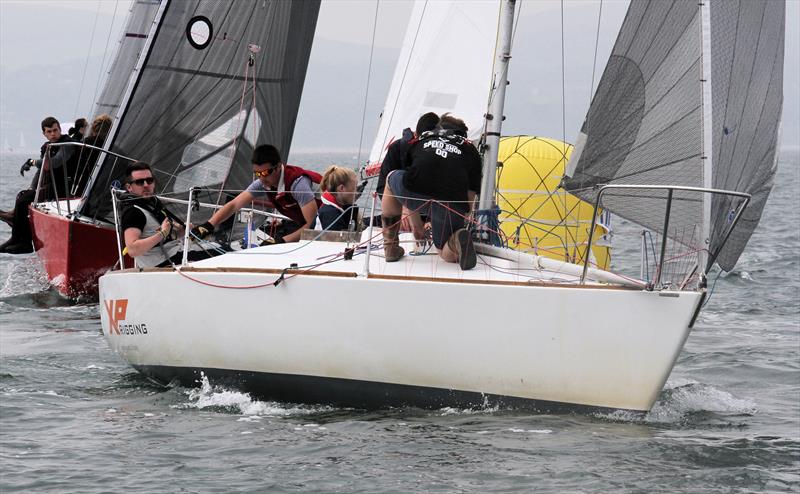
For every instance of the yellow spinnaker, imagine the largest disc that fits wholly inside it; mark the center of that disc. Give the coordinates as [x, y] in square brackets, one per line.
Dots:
[538, 217]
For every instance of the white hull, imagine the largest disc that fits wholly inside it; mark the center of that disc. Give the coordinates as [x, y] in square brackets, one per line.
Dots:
[595, 346]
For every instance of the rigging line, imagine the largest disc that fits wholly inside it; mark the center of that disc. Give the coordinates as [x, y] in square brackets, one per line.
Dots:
[227, 86]
[563, 109]
[405, 71]
[369, 74]
[234, 146]
[492, 92]
[105, 52]
[596, 43]
[516, 23]
[88, 55]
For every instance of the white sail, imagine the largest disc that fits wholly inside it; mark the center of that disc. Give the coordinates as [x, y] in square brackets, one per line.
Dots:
[433, 73]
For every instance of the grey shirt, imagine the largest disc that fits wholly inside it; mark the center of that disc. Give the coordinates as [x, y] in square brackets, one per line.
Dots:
[300, 189]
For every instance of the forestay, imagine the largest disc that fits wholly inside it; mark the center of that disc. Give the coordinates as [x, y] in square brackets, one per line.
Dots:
[646, 122]
[187, 109]
[433, 73]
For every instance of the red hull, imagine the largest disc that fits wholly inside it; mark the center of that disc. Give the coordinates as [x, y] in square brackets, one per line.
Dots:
[74, 254]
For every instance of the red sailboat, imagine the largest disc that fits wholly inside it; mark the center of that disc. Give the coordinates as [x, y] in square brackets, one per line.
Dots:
[194, 85]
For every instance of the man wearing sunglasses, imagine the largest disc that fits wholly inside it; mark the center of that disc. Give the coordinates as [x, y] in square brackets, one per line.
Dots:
[153, 235]
[287, 188]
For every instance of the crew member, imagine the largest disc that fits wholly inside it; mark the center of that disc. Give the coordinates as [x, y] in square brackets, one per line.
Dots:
[339, 194]
[284, 187]
[153, 236]
[443, 177]
[58, 163]
[395, 158]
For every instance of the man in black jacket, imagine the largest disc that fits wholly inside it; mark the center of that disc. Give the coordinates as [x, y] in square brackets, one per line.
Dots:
[443, 177]
[395, 158]
[58, 165]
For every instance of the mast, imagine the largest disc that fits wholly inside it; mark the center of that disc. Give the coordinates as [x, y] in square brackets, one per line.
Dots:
[707, 135]
[487, 217]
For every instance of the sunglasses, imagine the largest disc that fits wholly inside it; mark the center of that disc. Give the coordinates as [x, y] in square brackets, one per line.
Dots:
[266, 173]
[142, 181]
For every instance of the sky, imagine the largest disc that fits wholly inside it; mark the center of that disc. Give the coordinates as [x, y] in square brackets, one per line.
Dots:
[38, 77]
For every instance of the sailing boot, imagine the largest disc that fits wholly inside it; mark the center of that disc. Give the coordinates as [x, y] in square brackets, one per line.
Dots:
[16, 246]
[391, 242]
[460, 242]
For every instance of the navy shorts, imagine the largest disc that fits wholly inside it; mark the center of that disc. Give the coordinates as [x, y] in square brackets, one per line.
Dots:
[446, 217]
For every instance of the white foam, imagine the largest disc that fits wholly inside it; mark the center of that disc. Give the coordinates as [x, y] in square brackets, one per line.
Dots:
[208, 396]
[683, 397]
[25, 277]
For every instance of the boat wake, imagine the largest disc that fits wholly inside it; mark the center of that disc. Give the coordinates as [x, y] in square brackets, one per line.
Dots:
[689, 402]
[218, 399]
[24, 278]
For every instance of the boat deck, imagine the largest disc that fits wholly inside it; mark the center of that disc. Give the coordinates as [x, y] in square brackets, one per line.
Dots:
[328, 257]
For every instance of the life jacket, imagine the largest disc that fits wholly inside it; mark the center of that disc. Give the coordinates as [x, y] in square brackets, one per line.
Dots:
[154, 212]
[284, 201]
[330, 200]
[333, 216]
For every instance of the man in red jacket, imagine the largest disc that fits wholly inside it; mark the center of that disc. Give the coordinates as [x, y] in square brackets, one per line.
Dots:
[287, 188]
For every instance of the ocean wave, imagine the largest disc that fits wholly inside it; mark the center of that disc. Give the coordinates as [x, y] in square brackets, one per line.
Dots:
[683, 398]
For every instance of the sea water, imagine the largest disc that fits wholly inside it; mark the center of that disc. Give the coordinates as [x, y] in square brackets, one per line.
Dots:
[75, 418]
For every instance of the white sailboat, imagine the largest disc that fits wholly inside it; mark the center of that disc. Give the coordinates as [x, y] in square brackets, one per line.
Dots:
[316, 322]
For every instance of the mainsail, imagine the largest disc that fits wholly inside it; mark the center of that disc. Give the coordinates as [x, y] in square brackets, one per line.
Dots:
[647, 121]
[216, 78]
[433, 73]
[134, 37]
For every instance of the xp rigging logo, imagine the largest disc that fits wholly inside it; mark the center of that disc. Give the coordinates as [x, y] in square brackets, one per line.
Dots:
[117, 311]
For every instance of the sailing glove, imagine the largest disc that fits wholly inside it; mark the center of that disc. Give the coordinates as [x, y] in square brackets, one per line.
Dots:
[26, 166]
[277, 239]
[204, 230]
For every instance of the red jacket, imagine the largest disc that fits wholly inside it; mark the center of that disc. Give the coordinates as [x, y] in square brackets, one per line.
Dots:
[284, 201]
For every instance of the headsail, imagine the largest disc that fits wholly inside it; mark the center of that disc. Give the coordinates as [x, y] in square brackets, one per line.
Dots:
[188, 110]
[645, 124]
[747, 42]
[445, 65]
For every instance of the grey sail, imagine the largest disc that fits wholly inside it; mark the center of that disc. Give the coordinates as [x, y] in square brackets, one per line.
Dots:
[203, 96]
[131, 45]
[747, 42]
[646, 122]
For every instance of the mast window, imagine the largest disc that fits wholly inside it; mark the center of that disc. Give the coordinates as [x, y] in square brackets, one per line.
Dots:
[199, 32]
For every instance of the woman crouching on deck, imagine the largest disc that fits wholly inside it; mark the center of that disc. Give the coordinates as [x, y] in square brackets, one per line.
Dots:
[338, 197]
